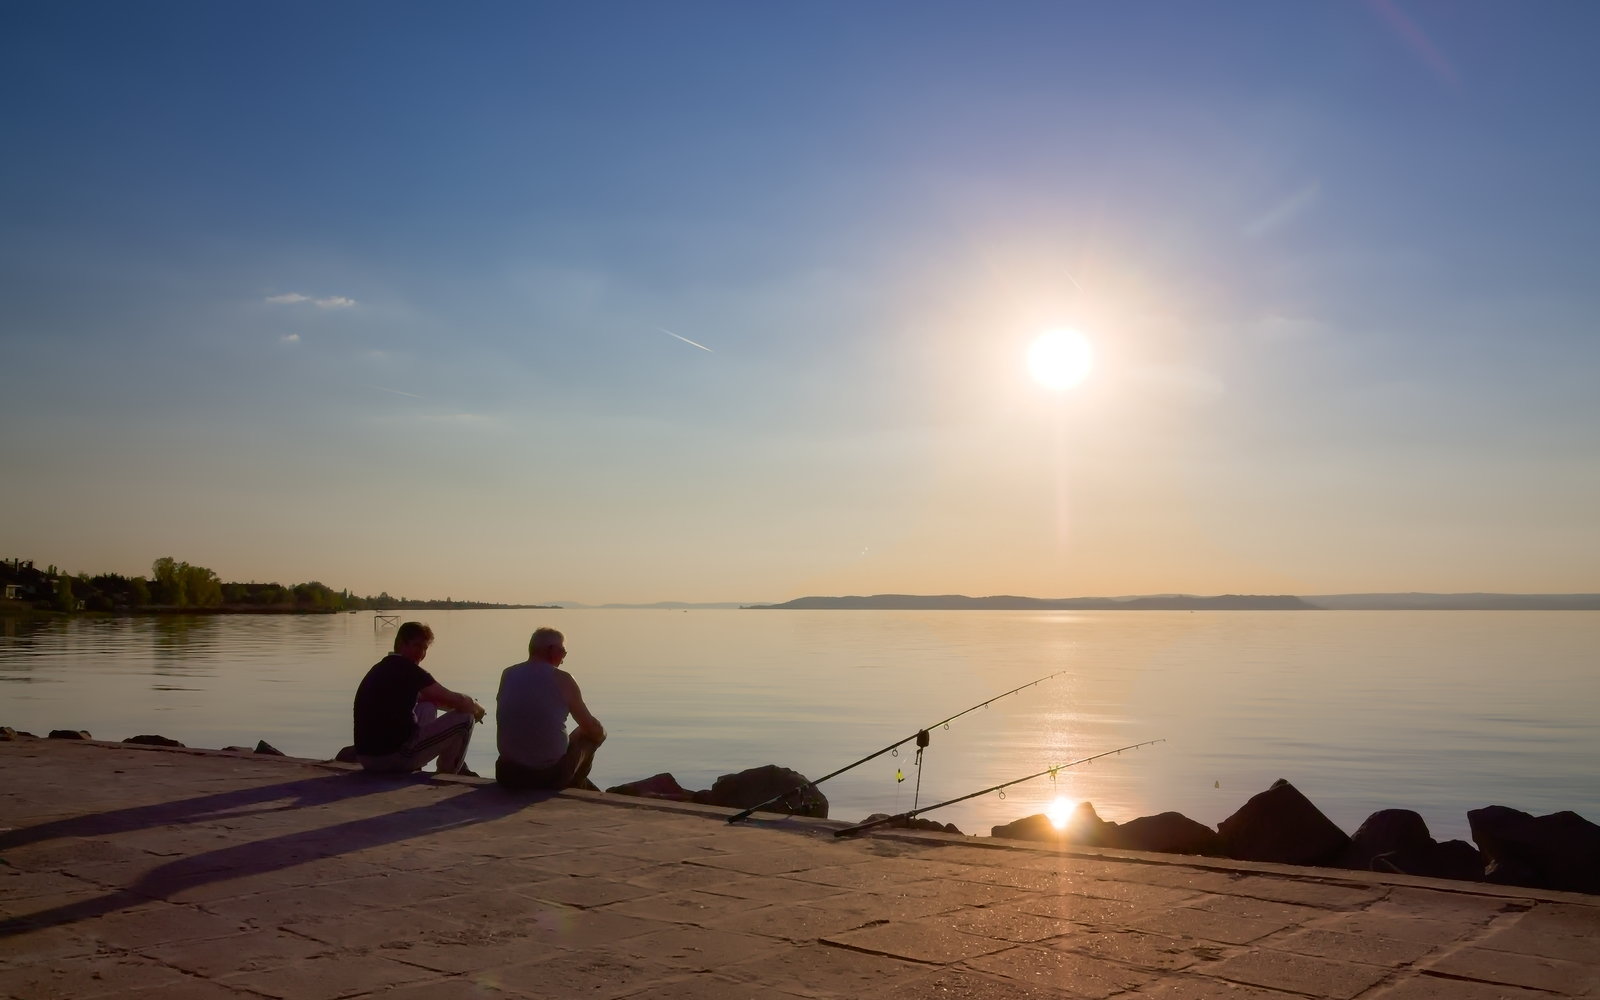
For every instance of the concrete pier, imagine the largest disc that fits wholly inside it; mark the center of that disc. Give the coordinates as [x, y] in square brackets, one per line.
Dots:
[137, 872]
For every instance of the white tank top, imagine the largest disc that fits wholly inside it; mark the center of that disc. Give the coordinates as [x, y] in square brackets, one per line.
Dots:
[530, 715]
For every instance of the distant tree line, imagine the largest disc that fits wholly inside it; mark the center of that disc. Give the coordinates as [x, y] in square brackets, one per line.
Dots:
[178, 586]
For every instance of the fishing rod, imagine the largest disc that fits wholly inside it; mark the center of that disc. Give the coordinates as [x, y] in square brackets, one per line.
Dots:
[921, 736]
[903, 817]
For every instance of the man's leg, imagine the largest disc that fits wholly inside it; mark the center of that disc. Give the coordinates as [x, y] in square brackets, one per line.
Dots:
[575, 763]
[445, 738]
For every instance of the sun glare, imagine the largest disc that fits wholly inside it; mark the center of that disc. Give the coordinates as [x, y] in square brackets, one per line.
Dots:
[1059, 812]
[1060, 359]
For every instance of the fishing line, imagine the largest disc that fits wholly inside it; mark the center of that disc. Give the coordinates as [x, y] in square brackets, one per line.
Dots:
[902, 818]
[921, 736]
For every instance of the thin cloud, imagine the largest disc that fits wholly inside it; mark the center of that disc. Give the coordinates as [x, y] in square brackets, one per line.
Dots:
[686, 340]
[290, 338]
[1286, 210]
[397, 392]
[1418, 41]
[295, 298]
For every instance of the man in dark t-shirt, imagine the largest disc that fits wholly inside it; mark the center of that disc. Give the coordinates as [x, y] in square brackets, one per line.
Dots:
[388, 737]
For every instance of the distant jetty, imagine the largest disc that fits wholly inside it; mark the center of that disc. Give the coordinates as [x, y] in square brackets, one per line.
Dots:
[1191, 602]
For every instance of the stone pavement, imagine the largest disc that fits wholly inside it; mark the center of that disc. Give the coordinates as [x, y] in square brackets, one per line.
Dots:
[190, 875]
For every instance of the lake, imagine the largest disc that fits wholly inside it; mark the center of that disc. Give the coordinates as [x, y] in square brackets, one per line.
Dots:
[1436, 711]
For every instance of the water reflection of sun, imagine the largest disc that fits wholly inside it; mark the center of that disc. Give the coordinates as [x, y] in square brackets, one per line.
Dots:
[1060, 811]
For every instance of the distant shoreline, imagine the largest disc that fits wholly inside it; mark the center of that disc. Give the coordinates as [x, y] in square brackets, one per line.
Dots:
[1190, 602]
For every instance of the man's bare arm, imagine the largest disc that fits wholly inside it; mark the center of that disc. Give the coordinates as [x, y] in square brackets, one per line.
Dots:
[587, 723]
[442, 696]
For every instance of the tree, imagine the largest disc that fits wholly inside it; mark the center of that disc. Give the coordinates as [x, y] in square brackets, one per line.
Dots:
[64, 599]
[138, 592]
[201, 586]
[168, 581]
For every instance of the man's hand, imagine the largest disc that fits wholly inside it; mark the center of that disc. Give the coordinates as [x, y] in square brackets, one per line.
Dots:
[466, 703]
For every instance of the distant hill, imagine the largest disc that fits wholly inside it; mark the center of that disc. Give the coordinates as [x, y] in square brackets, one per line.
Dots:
[657, 605]
[1456, 602]
[1190, 602]
[960, 602]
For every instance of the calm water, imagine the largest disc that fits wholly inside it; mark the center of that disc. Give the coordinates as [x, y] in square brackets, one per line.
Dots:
[1437, 711]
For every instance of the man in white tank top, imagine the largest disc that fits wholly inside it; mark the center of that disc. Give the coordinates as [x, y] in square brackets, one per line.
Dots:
[531, 717]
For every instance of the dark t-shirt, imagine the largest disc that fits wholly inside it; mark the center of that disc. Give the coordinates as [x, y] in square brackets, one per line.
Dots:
[384, 703]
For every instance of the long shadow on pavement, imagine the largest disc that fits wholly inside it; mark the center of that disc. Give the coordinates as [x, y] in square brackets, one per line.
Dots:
[304, 792]
[481, 804]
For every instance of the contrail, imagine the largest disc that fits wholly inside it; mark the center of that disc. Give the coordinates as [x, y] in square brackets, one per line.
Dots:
[397, 392]
[686, 340]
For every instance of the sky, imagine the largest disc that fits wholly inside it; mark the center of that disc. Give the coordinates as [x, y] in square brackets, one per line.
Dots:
[733, 302]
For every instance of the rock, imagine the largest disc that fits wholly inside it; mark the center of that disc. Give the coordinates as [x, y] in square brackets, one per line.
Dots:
[1387, 831]
[347, 755]
[757, 784]
[1397, 840]
[1083, 828]
[1035, 827]
[1557, 851]
[1454, 859]
[70, 734]
[1168, 833]
[7, 734]
[262, 746]
[1086, 828]
[236, 749]
[657, 786]
[1281, 825]
[153, 741]
[915, 823]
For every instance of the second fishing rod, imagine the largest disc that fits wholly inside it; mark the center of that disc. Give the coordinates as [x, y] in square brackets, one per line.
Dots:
[920, 737]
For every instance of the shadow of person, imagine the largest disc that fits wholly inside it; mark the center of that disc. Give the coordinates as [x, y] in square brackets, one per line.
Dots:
[481, 804]
[234, 804]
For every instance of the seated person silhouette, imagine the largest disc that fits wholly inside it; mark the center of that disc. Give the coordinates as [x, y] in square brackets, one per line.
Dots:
[531, 711]
[388, 735]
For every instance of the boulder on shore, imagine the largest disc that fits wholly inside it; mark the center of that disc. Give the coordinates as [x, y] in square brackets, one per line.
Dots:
[1387, 831]
[1455, 859]
[1084, 828]
[1397, 840]
[347, 755]
[1281, 825]
[915, 823]
[152, 741]
[1035, 827]
[262, 746]
[753, 786]
[1558, 851]
[657, 786]
[7, 733]
[1167, 833]
[70, 734]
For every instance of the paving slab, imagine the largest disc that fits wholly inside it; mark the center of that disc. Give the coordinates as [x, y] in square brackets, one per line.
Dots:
[130, 871]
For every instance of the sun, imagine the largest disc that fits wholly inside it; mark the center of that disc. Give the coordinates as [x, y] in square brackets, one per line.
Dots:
[1060, 359]
[1060, 811]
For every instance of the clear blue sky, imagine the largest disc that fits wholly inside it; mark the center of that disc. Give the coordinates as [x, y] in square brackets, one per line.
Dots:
[380, 294]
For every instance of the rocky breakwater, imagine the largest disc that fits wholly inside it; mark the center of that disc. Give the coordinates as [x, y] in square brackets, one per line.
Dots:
[1560, 851]
[741, 790]
[145, 739]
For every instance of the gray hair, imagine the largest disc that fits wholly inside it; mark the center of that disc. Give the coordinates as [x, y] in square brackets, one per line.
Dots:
[544, 638]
